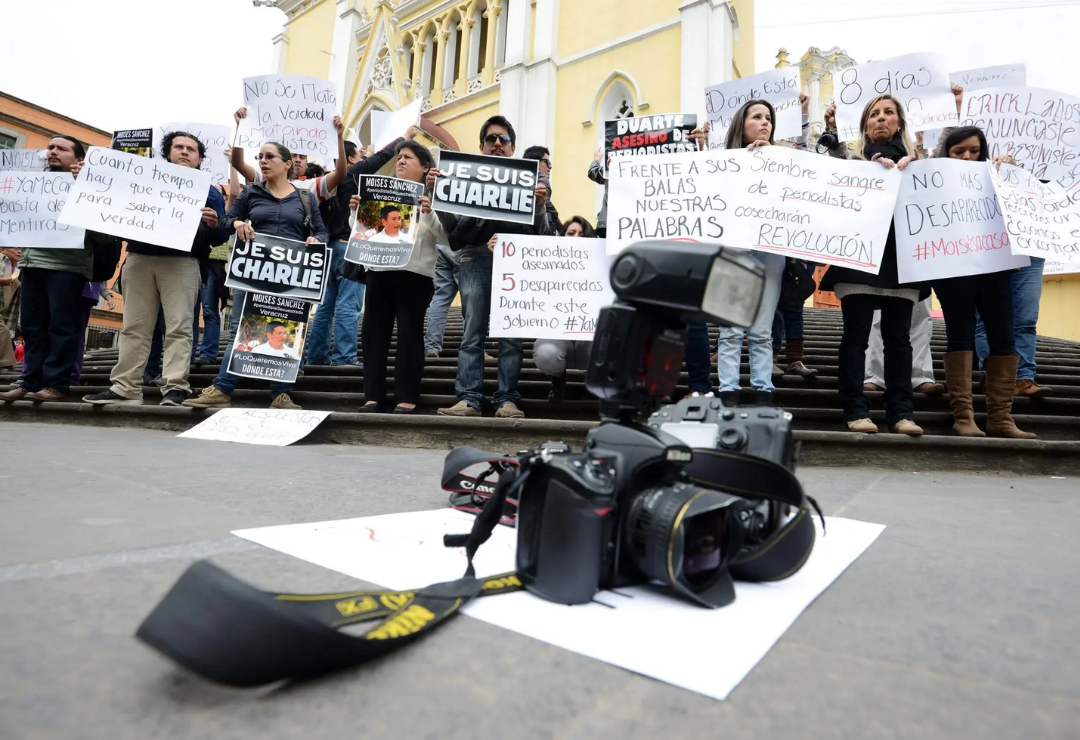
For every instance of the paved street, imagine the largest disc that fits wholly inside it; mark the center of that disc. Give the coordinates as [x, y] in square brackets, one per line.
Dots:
[960, 621]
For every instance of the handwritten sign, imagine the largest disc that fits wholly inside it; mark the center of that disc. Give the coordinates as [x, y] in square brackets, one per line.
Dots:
[779, 86]
[919, 81]
[293, 110]
[661, 134]
[977, 79]
[550, 287]
[1039, 128]
[30, 203]
[948, 222]
[386, 222]
[215, 138]
[1042, 220]
[497, 188]
[774, 199]
[278, 266]
[274, 427]
[269, 341]
[387, 126]
[132, 197]
[22, 160]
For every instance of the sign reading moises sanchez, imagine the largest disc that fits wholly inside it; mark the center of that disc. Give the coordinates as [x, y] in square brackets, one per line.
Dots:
[496, 188]
[276, 266]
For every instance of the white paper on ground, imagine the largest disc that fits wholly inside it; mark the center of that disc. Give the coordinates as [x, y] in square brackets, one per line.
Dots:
[648, 631]
[274, 427]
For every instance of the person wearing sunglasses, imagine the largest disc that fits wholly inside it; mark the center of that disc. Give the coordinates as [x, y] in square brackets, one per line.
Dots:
[470, 237]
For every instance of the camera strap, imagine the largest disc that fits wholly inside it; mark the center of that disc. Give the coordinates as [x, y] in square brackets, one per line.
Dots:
[786, 549]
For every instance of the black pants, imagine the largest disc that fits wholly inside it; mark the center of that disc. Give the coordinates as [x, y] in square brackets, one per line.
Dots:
[858, 311]
[51, 324]
[403, 296]
[991, 294]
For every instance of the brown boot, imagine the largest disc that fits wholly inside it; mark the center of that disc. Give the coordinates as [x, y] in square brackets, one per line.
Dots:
[795, 360]
[1000, 384]
[958, 378]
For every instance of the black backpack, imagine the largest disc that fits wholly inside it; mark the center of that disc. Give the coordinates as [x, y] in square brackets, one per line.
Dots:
[305, 200]
[106, 258]
[798, 283]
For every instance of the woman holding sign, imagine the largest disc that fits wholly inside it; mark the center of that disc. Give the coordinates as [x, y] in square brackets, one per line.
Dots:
[886, 140]
[991, 295]
[275, 207]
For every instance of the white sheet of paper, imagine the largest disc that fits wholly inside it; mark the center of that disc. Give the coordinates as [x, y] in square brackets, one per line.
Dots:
[274, 427]
[1061, 268]
[135, 197]
[948, 222]
[551, 287]
[214, 137]
[293, 110]
[30, 203]
[650, 632]
[1041, 218]
[387, 126]
[779, 86]
[977, 79]
[919, 81]
[22, 160]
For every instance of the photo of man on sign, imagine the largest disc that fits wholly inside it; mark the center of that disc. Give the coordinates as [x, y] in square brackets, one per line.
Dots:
[393, 222]
[277, 334]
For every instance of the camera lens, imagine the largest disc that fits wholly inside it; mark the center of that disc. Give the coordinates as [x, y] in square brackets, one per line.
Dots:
[685, 537]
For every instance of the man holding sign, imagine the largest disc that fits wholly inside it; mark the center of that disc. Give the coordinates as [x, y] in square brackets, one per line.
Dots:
[470, 237]
[170, 278]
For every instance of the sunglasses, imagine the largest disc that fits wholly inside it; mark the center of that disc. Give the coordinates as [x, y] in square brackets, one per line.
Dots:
[492, 138]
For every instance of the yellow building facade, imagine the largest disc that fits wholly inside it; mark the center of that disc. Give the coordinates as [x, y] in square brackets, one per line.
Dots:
[557, 69]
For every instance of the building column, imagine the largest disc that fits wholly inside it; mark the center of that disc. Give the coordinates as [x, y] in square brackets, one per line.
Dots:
[417, 70]
[491, 16]
[344, 61]
[707, 29]
[465, 34]
[439, 55]
[527, 93]
[281, 52]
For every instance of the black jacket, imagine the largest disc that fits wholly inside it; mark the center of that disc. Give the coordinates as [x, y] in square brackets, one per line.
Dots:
[335, 211]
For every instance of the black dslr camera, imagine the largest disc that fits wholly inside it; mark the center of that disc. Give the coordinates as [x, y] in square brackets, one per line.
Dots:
[639, 504]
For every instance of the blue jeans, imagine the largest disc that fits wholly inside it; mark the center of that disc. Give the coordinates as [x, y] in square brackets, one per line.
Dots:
[340, 307]
[759, 338]
[698, 364]
[475, 282]
[225, 381]
[211, 315]
[787, 322]
[446, 287]
[1026, 294]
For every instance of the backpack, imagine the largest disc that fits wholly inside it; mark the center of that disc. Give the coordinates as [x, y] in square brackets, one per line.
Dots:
[106, 258]
[798, 283]
[305, 200]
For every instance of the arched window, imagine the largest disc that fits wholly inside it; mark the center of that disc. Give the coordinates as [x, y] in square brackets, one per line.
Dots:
[500, 37]
[618, 102]
[452, 52]
[427, 69]
[478, 40]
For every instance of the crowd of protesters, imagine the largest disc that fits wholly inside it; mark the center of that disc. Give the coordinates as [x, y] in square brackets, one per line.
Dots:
[48, 293]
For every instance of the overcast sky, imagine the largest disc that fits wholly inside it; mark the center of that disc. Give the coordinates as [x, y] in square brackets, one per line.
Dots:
[135, 63]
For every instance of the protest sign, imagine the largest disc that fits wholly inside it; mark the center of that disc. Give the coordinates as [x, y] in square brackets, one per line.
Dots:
[496, 188]
[269, 341]
[550, 287]
[215, 138]
[977, 79]
[779, 86]
[919, 81]
[774, 199]
[129, 196]
[1039, 128]
[30, 203]
[948, 222]
[663, 134]
[1061, 268]
[277, 266]
[134, 141]
[386, 222]
[23, 160]
[292, 110]
[386, 126]
[274, 427]
[1042, 220]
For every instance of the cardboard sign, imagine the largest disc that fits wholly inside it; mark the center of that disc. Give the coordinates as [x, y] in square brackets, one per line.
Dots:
[269, 342]
[1042, 220]
[387, 126]
[775, 199]
[386, 222]
[274, 427]
[919, 81]
[663, 134]
[134, 141]
[292, 110]
[132, 197]
[551, 287]
[643, 628]
[779, 86]
[948, 222]
[1039, 128]
[23, 160]
[276, 266]
[30, 203]
[496, 188]
[215, 138]
[977, 79]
